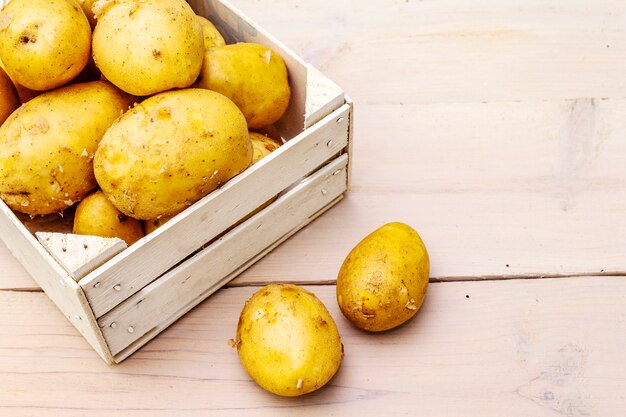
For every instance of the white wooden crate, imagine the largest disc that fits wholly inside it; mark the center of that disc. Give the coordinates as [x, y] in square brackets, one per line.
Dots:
[128, 300]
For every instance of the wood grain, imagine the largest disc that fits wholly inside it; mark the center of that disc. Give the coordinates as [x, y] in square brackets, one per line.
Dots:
[489, 131]
[453, 51]
[523, 347]
[509, 189]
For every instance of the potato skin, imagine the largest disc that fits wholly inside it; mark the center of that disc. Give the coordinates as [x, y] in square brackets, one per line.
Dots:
[212, 37]
[287, 341]
[47, 146]
[9, 100]
[86, 5]
[171, 150]
[96, 216]
[44, 43]
[148, 47]
[262, 146]
[150, 226]
[251, 75]
[383, 281]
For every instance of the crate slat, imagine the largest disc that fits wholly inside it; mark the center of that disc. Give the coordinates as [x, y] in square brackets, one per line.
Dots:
[197, 278]
[53, 279]
[140, 264]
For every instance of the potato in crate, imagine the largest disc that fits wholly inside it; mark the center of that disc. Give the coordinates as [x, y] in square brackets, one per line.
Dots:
[121, 293]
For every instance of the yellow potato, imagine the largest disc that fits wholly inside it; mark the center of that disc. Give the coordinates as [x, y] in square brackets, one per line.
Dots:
[287, 341]
[262, 146]
[271, 131]
[171, 150]
[252, 76]
[96, 216]
[47, 146]
[383, 281]
[9, 100]
[44, 43]
[24, 94]
[212, 36]
[150, 226]
[149, 46]
[86, 5]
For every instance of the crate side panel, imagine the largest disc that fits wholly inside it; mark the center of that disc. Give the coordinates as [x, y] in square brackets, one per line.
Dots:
[206, 271]
[52, 278]
[137, 344]
[323, 96]
[137, 266]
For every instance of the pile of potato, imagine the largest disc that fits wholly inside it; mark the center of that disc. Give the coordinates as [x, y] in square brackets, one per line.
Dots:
[287, 340]
[136, 109]
[140, 99]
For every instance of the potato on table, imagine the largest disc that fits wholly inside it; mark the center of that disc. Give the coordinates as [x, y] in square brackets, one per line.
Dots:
[44, 43]
[96, 216]
[170, 151]
[383, 281]
[47, 146]
[146, 47]
[287, 341]
[251, 75]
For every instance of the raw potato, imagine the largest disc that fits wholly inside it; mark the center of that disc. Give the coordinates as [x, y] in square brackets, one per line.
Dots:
[147, 47]
[9, 100]
[383, 281]
[44, 43]
[252, 76]
[150, 226]
[271, 131]
[87, 5]
[287, 341]
[212, 36]
[262, 146]
[96, 216]
[24, 94]
[47, 146]
[171, 150]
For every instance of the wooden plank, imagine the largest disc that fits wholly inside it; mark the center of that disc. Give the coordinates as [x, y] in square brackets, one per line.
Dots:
[485, 184]
[502, 189]
[200, 276]
[53, 279]
[323, 97]
[79, 254]
[184, 310]
[553, 347]
[452, 51]
[140, 264]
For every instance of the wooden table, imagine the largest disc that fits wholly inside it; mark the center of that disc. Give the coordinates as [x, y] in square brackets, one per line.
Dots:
[498, 130]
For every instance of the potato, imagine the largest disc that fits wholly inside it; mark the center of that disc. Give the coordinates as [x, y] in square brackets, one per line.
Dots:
[271, 131]
[24, 94]
[9, 100]
[287, 341]
[252, 76]
[382, 282]
[148, 47]
[47, 146]
[171, 150]
[262, 146]
[44, 43]
[96, 216]
[87, 5]
[212, 36]
[150, 226]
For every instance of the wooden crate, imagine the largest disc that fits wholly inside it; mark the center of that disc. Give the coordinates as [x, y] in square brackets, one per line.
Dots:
[123, 303]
